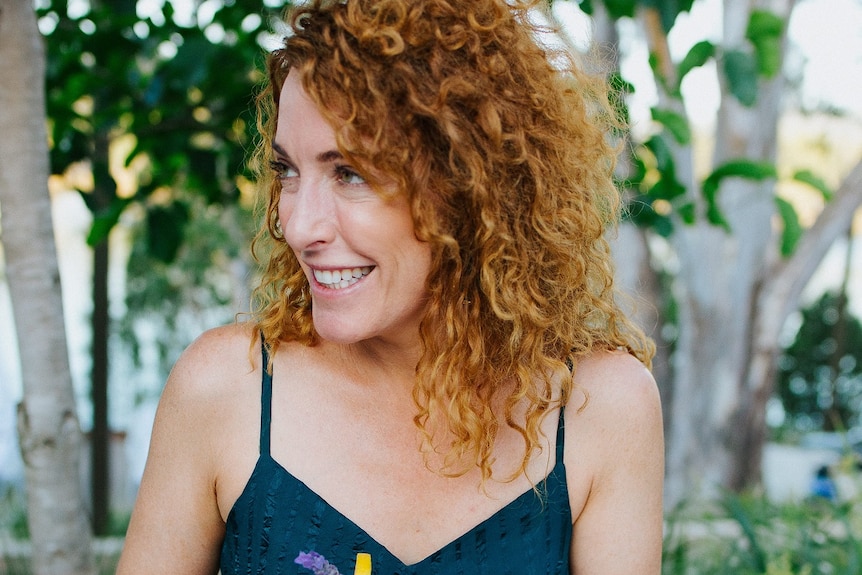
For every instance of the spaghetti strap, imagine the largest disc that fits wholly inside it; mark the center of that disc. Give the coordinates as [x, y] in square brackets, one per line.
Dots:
[561, 436]
[561, 424]
[265, 401]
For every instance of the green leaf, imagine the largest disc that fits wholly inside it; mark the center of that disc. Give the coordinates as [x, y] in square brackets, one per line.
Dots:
[686, 212]
[792, 228]
[748, 169]
[737, 511]
[165, 230]
[105, 220]
[586, 6]
[769, 54]
[741, 72]
[743, 168]
[697, 56]
[764, 31]
[808, 177]
[658, 73]
[676, 124]
[639, 211]
[668, 10]
[667, 187]
[662, 154]
[715, 217]
[634, 175]
[620, 8]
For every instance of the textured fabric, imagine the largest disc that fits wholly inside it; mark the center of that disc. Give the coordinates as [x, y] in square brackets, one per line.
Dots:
[277, 516]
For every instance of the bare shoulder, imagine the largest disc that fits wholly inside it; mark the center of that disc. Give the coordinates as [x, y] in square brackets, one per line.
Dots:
[614, 381]
[614, 442]
[217, 356]
[615, 408]
[212, 385]
[203, 426]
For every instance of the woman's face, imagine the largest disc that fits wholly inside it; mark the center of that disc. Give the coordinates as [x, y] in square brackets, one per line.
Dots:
[365, 268]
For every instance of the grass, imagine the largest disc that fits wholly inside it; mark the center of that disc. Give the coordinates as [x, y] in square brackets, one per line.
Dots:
[749, 535]
[15, 560]
[14, 537]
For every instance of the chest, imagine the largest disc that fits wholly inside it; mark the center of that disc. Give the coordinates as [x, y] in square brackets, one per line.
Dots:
[278, 515]
[376, 477]
[340, 478]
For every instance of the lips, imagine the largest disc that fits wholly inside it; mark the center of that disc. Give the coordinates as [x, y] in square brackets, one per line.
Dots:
[340, 279]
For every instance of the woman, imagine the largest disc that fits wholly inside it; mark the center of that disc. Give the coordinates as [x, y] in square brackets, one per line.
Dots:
[437, 373]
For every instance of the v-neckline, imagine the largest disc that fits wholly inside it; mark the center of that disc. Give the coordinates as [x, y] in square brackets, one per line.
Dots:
[265, 455]
[541, 487]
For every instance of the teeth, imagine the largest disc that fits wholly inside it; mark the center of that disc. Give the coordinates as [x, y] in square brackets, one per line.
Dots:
[338, 279]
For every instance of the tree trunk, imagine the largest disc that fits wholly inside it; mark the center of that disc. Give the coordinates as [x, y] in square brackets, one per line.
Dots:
[635, 275]
[717, 419]
[104, 193]
[48, 428]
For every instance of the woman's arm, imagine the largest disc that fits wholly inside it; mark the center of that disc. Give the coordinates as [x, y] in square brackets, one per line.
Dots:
[615, 463]
[176, 526]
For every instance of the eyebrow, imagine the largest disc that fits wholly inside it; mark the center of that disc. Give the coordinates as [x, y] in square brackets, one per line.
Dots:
[323, 157]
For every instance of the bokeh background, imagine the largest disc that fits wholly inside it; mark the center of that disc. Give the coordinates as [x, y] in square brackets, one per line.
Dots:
[741, 173]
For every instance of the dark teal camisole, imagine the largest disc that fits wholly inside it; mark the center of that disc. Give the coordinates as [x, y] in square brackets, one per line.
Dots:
[277, 516]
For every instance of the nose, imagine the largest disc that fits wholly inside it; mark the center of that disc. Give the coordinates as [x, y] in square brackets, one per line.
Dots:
[307, 216]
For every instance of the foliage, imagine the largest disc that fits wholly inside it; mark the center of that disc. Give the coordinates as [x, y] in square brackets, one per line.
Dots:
[195, 289]
[154, 100]
[659, 200]
[169, 93]
[13, 511]
[820, 373]
[749, 535]
[179, 91]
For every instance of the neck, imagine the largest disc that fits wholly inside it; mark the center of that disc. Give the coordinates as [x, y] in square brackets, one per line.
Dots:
[381, 362]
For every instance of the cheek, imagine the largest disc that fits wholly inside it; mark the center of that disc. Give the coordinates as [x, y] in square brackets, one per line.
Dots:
[283, 210]
[419, 257]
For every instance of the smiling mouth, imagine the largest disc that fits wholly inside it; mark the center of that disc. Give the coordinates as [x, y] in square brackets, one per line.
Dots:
[340, 279]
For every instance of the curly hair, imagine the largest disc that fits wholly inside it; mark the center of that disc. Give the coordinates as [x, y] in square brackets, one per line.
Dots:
[502, 146]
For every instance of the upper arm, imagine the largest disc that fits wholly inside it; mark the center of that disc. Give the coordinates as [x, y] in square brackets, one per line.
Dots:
[176, 526]
[616, 451]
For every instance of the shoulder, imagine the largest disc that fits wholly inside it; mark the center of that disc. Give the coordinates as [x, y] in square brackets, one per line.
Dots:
[201, 430]
[215, 360]
[220, 352]
[614, 408]
[209, 376]
[613, 380]
[614, 443]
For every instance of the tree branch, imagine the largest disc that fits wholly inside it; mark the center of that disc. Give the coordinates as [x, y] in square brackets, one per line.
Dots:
[784, 286]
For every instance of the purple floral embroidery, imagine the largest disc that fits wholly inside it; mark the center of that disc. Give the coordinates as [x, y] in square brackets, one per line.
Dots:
[317, 563]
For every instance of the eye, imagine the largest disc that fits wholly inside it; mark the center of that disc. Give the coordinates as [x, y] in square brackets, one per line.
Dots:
[282, 170]
[348, 176]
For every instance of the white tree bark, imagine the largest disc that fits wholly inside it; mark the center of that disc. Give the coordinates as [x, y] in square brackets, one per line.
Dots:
[734, 295]
[48, 428]
[720, 273]
[732, 289]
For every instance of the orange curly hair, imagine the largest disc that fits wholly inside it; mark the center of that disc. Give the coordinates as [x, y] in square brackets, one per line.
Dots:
[501, 145]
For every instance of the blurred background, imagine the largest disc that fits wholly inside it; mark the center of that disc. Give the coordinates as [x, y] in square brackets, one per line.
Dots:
[742, 177]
